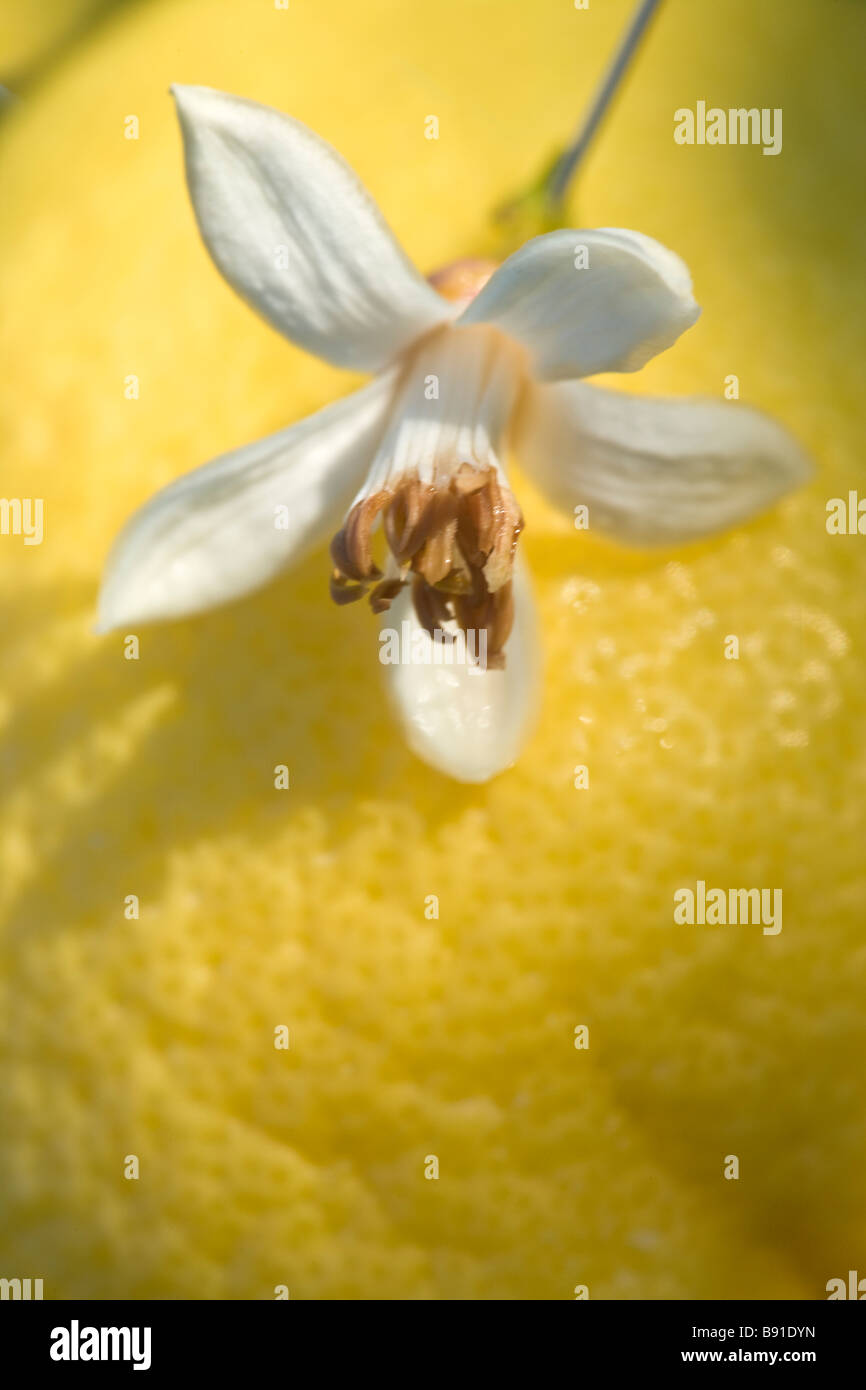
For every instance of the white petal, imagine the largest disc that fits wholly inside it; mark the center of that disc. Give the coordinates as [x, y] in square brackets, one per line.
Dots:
[630, 301]
[454, 403]
[467, 723]
[294, 231]
[654, 471]
[217, 533]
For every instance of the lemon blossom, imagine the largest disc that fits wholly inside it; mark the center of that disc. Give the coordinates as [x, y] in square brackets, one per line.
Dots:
[412, 463]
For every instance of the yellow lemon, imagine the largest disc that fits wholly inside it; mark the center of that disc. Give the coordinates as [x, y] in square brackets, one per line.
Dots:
[31, 34]
[379, 1035]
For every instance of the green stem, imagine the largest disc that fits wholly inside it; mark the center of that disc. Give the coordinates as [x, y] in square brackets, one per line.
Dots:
[539, 208]
[568, 163]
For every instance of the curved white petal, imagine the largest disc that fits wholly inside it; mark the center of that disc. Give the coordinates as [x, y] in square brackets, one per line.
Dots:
[654, 471]
[297, 235]
[583, 302]
[466, 723]
[233, 524]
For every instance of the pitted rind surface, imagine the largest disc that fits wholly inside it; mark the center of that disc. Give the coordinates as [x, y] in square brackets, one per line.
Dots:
[259, 908]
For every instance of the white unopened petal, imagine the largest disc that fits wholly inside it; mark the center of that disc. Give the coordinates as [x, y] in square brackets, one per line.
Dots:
[294, 231]
[654, 471]
[584, 302]
[466, 723]
[235, 523]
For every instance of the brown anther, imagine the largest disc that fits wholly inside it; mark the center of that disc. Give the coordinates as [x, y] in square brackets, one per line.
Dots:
[431, 608]
[461, 578]
[434, 559]
[493, 613]
[459, 541]
[384, 594]
[500, 620]
[343, 591]
[351, 548]
[407, 523]
[475, 528]
[506, 528]
[468, 479]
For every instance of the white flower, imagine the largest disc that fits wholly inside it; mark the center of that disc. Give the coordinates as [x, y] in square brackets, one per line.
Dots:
[417, 454]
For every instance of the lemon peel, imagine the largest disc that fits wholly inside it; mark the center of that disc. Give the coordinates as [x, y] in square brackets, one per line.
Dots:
[411, 1036]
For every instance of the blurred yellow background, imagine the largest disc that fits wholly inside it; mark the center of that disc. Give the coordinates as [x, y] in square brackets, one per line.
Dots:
[410, 1037]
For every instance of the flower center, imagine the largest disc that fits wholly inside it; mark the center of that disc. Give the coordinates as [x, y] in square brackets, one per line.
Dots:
[436, 499]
